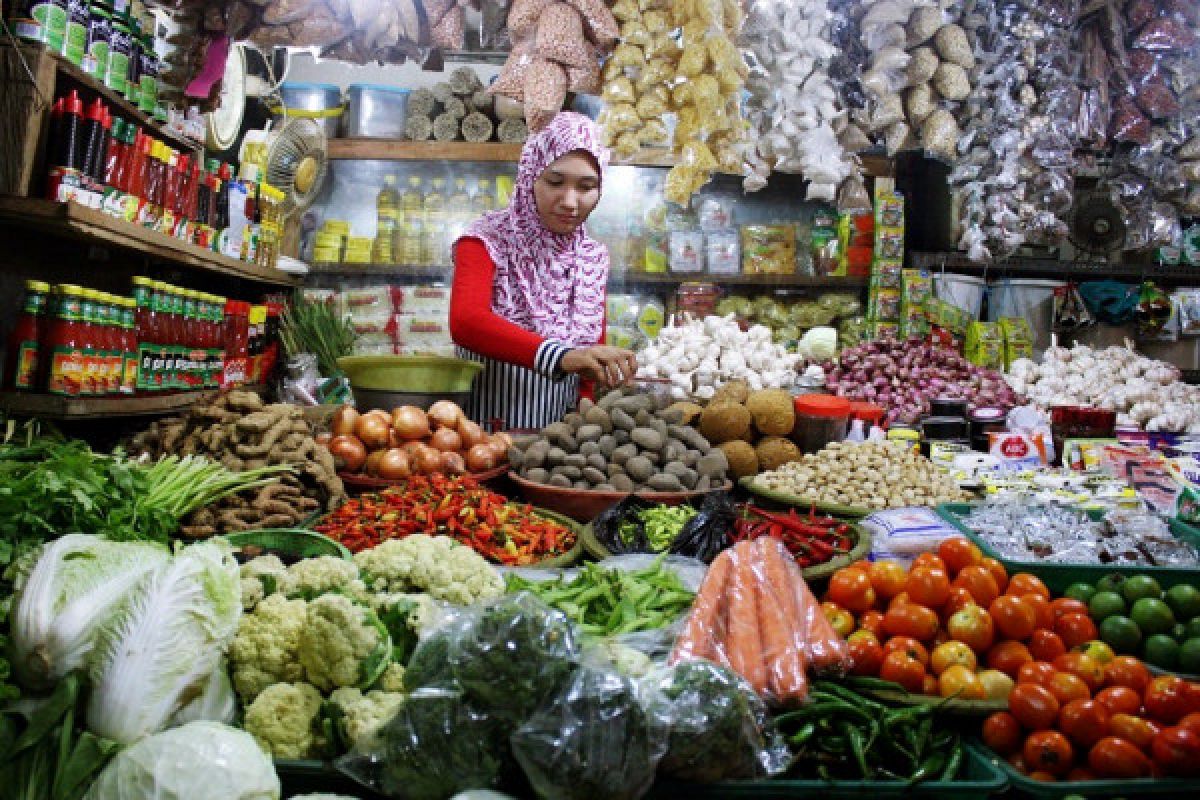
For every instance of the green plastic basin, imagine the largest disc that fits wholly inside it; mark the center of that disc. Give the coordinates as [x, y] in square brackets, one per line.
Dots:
[429, 374]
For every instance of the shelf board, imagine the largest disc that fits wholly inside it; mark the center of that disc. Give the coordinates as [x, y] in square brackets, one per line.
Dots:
[78, 222]
[50, 406]
[121, 106]
[392, 270]
[1052, 268]
[762, 281]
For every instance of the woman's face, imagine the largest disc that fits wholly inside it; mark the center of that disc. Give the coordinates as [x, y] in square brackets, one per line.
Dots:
[567, 191]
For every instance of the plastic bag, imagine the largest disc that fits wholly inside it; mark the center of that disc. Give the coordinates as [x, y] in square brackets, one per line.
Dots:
[702, 537]
[592, 741]
[718, 728]
[435, 746]
[755, 614]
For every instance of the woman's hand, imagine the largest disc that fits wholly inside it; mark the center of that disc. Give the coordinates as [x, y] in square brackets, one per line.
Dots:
[607, 366]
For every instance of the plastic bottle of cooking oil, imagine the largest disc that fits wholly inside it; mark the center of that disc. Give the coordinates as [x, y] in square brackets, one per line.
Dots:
[485, 196]
[458, 212]
[409, 228]
[433, 243]
[387, 208]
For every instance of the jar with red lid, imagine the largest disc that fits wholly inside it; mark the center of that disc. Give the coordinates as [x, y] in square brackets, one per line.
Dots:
[869, 413]
[820, 419]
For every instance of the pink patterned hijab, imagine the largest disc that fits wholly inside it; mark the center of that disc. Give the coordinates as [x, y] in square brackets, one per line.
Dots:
[549, 283]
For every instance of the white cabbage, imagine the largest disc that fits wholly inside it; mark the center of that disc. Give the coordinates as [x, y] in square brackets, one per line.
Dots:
[163, 643]
[72, 589]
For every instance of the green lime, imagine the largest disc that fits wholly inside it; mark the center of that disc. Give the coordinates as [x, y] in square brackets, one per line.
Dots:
[1179, 632]
[1192, 629]
[1140, 586]
[1161, 651]
[1189, 657]
[1080, 591]
[1152, 616]
[1110, 583]
[1106, 604]
[1121, 634]
[1184, 600]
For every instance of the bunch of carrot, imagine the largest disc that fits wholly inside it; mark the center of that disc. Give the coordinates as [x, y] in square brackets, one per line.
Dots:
[755, 614]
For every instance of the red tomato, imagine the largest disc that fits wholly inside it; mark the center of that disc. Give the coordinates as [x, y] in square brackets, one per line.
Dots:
[1067, 687]
[959, 553]
[912, 620]
[866, 653]
[998, 571]
[841, 619]
[979, 582]
[1014, 618]
[1046, 645]
[851, 589]
[1112, 757]
[1067, 605]
[1002, 733]
[958, 600]
[872, 621]
[1085, 667]
[1177, 751]
[928, 560]
[901, 668]
[1137, 730]
[1038, 672]
[1191, 722]
[1085, 722]
[1127, 671]
[973, 627]
[1042, 612]
[1008, 657]
[1075, 629]
[1024, 583]
[1048, 751]
[909, 646]
[1033, 706]
[928, 587]
[1169, 699]
[899, 600]
[1120, 700]
[887, 578]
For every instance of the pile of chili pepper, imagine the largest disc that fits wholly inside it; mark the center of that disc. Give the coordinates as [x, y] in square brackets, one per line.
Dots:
[511, 534]
[840, 734]
[811, 539]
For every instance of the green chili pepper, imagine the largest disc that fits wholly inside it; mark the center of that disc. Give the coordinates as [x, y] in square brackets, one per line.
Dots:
[953, 763]
[854, 736]
[930, 766]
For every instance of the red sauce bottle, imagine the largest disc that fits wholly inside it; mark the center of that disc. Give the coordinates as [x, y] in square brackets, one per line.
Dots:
[64, 347]
[22, 356]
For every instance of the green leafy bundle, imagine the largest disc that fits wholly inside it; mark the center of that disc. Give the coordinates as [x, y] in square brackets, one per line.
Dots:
[317, 328]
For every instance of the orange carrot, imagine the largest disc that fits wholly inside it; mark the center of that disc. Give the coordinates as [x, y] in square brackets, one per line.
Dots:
[780, 624]
[705, 624]
[743, 644]
[827, 651]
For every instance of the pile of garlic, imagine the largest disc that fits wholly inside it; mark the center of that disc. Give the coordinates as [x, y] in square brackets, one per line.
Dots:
[1146, 393]
[699, 356]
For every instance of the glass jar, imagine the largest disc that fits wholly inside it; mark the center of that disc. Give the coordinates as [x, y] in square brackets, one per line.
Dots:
[820, 420]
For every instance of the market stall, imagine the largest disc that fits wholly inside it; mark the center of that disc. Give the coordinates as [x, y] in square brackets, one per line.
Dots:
[851, 449]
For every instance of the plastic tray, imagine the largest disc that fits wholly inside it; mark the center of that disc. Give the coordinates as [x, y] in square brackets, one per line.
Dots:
[979, 778]
[291, 541]
[850, 512]
[1058, 577]
[1022, 786]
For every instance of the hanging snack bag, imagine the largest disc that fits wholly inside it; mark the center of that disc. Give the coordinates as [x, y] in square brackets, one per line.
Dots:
[985, 344]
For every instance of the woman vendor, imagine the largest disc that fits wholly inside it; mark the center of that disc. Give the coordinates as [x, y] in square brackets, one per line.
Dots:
[530, 285]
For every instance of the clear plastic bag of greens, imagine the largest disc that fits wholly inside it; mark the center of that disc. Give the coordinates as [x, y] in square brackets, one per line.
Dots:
[841, 304]
[594, 739]
[437, 745]
[717, 727]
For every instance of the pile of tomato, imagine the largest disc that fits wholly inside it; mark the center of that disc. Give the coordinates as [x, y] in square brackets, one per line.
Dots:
[1093, 721]
[954, 624]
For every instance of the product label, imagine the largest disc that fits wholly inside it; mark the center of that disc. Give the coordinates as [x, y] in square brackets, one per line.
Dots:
[66, 372]
[146, 372]
[53, 19]
[95, 61]
[92, 374]
[129, 373]
[76, 37]
[234, 372]
[25, 373]
[119, 49]
[116, 371]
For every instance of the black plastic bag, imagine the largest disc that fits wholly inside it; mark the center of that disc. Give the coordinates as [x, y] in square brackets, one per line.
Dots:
[705, 535]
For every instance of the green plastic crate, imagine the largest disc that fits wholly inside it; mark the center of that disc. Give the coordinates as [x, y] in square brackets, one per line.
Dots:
[979, 778]
[1058, 577]
[1021, 786]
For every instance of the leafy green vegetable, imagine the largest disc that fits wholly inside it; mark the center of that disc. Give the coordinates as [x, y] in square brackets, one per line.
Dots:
[317, 328]
[609, 602]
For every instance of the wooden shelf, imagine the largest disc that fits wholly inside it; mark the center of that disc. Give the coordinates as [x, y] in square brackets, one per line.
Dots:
[1052, 268]
[50, 406]
[391, 270]
[761, 281]
[121, 107]
[75, 221]
[875, 164]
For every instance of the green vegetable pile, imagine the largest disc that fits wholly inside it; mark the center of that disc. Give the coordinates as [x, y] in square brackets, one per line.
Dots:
[662, 525]
[317, 328]
[610, 602]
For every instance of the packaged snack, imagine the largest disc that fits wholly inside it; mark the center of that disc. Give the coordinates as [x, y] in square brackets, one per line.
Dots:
[368, 300]
[723, 253]
[884, 305]
[984, 346]
[1018, 339]
[824, 242]
[715, 212]
[768, 249]
[1018, 451]
[686, 251]
[1188, 303]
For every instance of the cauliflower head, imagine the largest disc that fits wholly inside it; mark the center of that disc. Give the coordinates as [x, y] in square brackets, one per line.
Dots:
[438, 565]
[392, 679]
[285, 719]
[266, 647]
[363, 713]
[343, 643]
[316, 576]
[260, 577]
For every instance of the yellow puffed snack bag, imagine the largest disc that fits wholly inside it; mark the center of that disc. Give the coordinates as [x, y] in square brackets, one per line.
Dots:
[612, 71]
[619, 90]
[635, 33]
[663, 45]
[693, 60]
[628, 55]
[696, 154]
[656, 73]
[654, 134]
[734, 16]
[620, 117]
[681, 95]
[710, 12]
[656, 21]
[626, 10]
[688, 124]
[725, 56]
[683, 182]
[627, 145]
[652, 104]
[706, 95]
